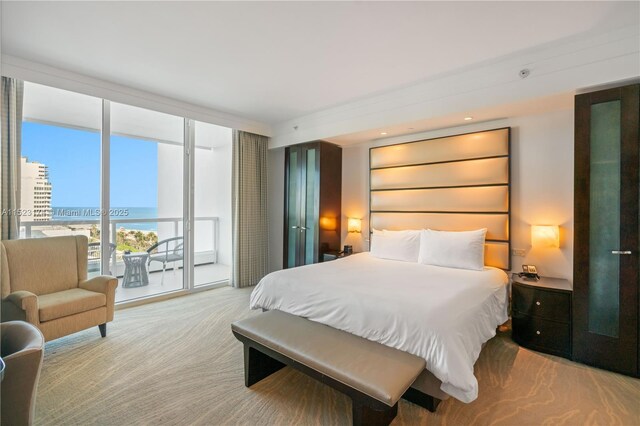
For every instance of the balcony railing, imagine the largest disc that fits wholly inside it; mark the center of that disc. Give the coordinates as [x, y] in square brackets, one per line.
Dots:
[27, 229]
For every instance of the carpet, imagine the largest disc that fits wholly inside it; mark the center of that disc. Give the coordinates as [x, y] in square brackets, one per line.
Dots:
[176, 362]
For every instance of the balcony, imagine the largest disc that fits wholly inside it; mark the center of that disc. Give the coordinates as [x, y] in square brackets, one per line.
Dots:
[133, 237]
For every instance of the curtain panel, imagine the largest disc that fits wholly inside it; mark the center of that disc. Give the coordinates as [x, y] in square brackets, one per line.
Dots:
[10, 146]
[249, 208]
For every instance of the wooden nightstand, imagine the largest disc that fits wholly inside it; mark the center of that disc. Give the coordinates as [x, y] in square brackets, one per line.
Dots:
[333, 255]
[541, 314]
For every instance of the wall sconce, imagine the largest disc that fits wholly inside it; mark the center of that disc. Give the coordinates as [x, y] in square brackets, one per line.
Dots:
[328, 223]
[545, 236]
[354, 225]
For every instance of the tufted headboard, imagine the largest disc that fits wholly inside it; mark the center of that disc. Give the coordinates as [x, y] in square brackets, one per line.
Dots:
[453, 183]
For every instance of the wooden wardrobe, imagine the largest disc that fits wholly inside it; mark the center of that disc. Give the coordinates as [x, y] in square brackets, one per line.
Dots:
[606, 242]
[312, 202]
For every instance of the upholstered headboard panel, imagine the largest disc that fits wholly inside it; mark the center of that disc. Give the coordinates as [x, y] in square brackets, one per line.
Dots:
[454, 183]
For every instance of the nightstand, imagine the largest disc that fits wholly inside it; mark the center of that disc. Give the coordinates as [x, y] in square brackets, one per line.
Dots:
[333, 255]
[541, 314]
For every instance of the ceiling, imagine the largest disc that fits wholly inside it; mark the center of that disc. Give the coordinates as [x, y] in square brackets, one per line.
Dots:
[274, 62]
[49, 105]
[561, 101]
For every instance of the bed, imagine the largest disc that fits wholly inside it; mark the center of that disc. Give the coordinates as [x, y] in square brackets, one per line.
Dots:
[443, 315]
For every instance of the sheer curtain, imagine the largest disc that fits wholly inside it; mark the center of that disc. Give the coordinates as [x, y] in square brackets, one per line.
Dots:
[11, 127]
[249, 208]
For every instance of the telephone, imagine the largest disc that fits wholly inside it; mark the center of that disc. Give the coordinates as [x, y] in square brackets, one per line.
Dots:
[529, 272]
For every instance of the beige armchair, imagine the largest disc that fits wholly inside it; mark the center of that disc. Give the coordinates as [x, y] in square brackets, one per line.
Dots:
[22, 352]
[44, 282]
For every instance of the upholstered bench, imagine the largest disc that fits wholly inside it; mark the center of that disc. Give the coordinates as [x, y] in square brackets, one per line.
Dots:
[373, 375]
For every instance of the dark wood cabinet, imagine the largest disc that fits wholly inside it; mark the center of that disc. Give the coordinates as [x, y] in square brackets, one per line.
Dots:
[313, 202]
[541, 315]
[606, 240]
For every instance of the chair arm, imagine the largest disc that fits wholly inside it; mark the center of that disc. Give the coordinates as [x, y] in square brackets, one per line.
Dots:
[28, 302]
[105, 284]
[100, 284]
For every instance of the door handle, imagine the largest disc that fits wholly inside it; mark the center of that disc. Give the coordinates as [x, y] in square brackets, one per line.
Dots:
[294, 227]
[620, 252]
[304, 228]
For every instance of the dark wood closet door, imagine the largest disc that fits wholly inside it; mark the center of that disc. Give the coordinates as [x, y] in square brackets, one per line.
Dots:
[312, 204]
[606, 243]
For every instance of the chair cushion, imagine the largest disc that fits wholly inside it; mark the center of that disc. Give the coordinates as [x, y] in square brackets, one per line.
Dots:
[69, 302]
[171, 257]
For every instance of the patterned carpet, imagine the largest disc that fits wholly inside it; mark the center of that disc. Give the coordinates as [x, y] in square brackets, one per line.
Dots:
[177, 363]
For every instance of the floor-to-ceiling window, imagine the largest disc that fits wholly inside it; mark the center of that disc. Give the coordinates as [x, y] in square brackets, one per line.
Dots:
[146, 201]
[60, 164]
[165, 222]
[212, 203]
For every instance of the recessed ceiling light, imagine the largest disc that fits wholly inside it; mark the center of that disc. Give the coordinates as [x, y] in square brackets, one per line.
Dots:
[383, 133]
[468, 118]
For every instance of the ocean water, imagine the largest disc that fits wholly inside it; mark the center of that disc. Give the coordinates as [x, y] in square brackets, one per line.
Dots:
[116, 213]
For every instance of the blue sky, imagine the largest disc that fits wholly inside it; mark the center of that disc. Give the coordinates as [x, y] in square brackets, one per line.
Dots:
[73, 158]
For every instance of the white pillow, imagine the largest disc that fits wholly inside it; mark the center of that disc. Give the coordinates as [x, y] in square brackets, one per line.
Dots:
[403, 245]
[462, 250]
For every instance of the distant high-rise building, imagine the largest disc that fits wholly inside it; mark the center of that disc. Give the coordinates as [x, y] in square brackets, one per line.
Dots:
[35, 191]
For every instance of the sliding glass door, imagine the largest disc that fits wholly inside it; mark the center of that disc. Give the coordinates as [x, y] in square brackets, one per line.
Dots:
[147, 244]
[212, 204]
[151, 191]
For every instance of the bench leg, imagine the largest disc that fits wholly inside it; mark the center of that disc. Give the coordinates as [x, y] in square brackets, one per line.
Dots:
[257, 365]
[422, 399]
[364, 415]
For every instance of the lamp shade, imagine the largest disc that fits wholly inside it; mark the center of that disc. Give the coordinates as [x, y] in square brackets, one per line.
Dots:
[545, 236]
[354, 225]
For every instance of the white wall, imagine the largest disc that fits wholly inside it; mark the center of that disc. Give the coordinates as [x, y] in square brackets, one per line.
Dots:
[542, 189]
[541, 179]
[355, 194]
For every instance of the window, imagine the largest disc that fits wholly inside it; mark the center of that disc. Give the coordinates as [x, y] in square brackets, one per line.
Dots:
[60, 163]
[146, 201]
[212, 203]
[164, 205]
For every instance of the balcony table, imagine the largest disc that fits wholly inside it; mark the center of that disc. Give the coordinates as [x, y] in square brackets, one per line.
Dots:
[135, 270]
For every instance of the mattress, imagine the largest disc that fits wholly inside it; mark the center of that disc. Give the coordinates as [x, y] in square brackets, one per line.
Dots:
[443, 315]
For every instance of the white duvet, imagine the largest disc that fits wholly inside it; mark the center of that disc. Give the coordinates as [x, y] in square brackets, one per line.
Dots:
[443, 315]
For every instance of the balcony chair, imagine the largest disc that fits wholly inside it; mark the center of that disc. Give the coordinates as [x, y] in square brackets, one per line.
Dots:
[93, 264]
[44, 282]
[22, 352]
[166, 251]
